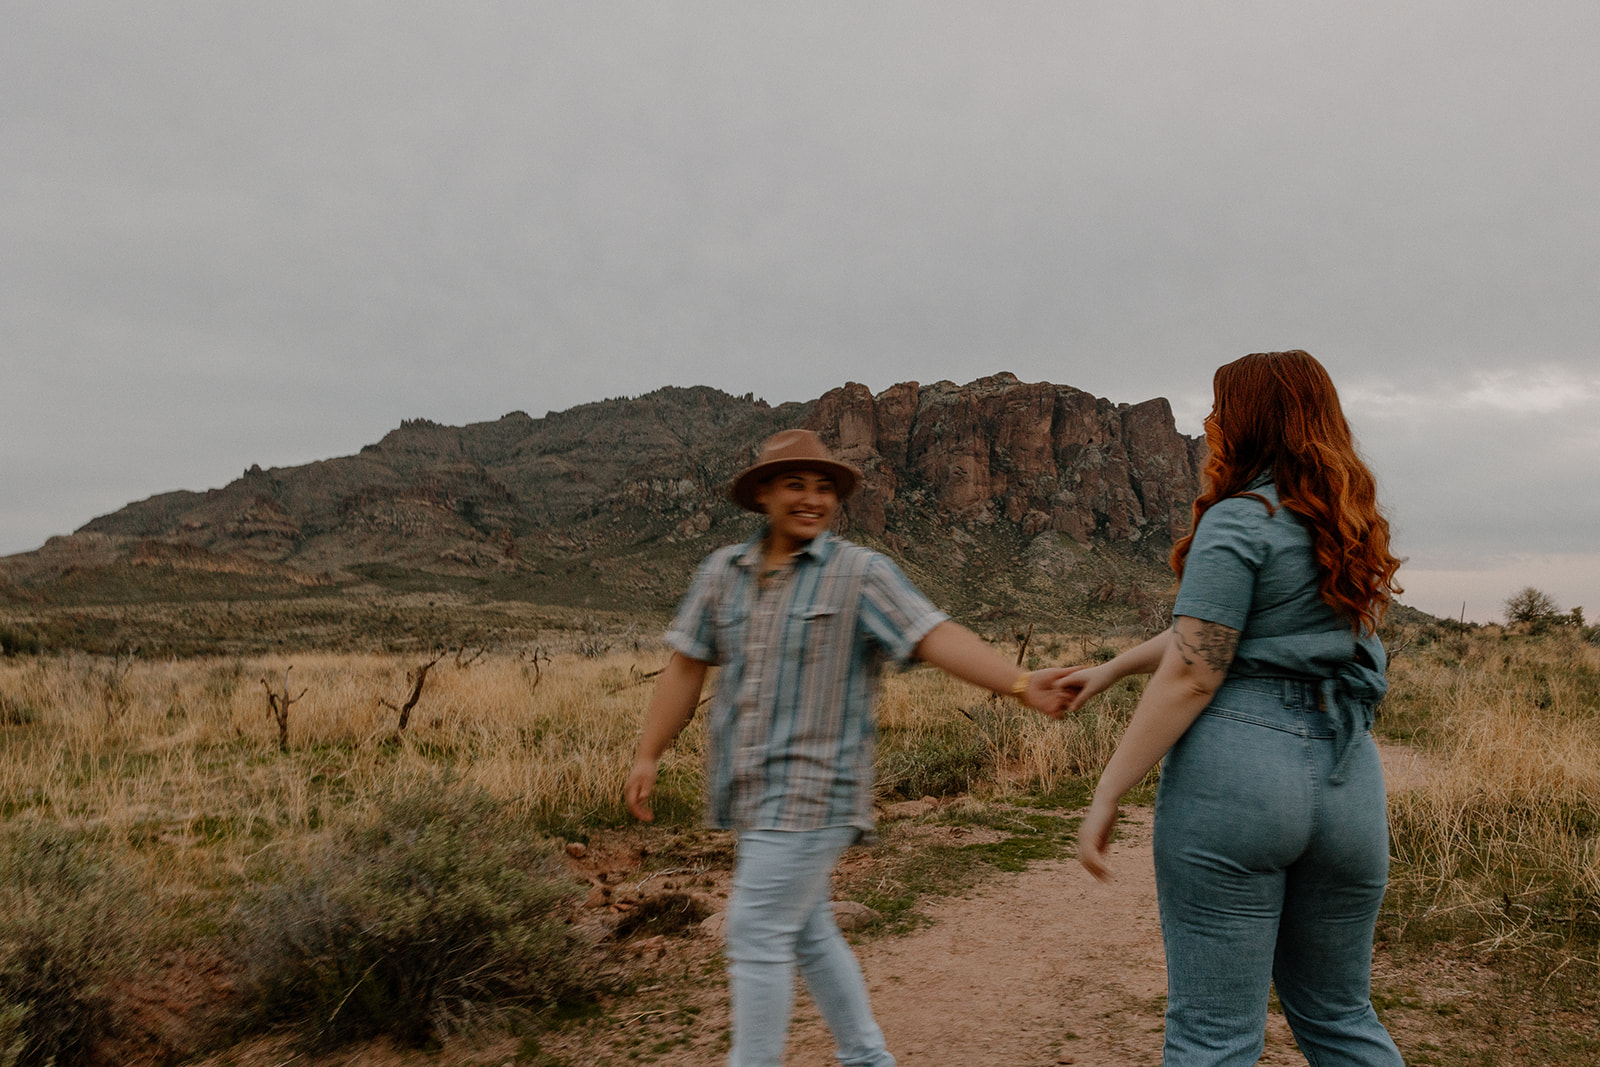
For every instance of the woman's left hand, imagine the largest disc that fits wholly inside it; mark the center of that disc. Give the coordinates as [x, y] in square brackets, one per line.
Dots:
[1083, 683]
[1094, 838]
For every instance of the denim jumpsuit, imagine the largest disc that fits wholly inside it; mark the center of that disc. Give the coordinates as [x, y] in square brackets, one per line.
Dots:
[1271, 829]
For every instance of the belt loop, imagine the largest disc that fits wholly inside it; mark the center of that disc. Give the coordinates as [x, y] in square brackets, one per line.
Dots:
[1291, 693]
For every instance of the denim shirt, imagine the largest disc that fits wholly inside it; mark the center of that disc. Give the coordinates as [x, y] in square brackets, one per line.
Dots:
[1252, 568]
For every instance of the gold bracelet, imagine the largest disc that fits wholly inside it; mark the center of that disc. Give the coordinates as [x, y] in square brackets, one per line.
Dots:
[1019, 688]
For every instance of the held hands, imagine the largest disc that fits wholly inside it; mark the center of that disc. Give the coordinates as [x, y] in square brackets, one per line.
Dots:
[640, 786]
[1082, 684]
[1045, 693]
[1054, 691]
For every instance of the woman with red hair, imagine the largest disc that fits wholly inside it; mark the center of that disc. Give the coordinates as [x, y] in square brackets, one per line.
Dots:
[1271, 830]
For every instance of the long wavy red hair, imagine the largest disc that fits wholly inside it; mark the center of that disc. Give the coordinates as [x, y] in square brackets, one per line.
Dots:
[1279, 412]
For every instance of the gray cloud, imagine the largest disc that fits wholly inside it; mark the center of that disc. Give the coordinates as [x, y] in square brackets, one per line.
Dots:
[267, 232]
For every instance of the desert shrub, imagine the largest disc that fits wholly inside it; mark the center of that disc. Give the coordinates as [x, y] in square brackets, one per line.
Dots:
[14, 712]
[71, 924]
[435, 913]
[944, 760]
[13, 1039]
[17, 642]
[1533, 607]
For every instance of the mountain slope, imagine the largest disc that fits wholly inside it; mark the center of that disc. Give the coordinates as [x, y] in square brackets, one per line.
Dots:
[1000, 496]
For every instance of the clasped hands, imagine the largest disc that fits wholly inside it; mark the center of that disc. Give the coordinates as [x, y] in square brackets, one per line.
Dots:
[1055, 691]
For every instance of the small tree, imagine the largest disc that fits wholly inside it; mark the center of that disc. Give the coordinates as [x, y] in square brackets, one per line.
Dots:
[1532, 606]
[278, 708]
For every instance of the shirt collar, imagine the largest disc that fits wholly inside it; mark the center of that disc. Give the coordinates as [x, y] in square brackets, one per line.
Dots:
[818, 549]
[1262, 480]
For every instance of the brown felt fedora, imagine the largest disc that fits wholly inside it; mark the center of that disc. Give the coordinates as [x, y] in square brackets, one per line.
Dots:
[791, 450]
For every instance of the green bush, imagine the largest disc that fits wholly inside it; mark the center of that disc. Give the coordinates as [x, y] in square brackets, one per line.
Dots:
[438, 913]
[70, 926]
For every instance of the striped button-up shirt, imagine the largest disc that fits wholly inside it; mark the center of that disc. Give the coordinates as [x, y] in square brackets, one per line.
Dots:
[791, 729]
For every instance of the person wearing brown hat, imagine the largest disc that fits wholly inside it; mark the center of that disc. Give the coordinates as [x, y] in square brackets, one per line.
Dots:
[802, 623]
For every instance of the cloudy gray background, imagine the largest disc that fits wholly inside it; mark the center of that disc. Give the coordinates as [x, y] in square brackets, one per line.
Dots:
[267, 232]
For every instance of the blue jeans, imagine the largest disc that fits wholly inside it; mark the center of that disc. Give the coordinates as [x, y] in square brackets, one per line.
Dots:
[781, 914]
[1267, 872]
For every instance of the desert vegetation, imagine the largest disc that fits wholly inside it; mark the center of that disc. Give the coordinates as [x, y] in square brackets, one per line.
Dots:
[279, 821]
[197, 850]
[1498, 847]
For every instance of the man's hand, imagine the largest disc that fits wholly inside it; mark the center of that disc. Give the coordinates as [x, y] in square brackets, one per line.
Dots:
[641, 785]
[671, 707]
[1045, 693]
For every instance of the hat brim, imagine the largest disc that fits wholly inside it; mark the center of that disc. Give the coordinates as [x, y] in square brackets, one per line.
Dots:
[743, 489]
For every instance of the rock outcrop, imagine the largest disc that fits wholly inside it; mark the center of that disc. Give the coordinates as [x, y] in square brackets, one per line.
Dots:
[1040, 456]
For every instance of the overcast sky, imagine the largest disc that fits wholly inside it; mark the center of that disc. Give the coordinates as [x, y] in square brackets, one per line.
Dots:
[266, 232]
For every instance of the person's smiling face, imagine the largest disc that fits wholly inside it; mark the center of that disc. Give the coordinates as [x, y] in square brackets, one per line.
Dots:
[799, 505]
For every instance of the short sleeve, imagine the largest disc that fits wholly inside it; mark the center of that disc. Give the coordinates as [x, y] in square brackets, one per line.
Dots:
[1219, 577]
[894, 613]
[694, 628]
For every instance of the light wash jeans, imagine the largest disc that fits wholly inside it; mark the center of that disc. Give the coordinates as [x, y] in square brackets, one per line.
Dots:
[1267, 872]
[781, 914]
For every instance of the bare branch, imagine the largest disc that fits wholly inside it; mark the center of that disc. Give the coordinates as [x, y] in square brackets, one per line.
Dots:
[420, 678]
[278, 707]
[1022, 644]
[536, 656]
[638, 679]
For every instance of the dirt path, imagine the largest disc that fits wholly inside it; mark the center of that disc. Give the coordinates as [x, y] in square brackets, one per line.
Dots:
[1043, 967]
[1047, 966]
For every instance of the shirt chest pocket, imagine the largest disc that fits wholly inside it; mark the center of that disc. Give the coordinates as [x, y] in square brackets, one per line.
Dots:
[816, 631]
[732, 620]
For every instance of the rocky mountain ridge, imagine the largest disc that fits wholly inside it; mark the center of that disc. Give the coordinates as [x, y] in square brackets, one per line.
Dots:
[611, 500]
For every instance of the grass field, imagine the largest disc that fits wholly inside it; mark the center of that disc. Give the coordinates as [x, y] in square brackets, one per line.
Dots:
[151, 822]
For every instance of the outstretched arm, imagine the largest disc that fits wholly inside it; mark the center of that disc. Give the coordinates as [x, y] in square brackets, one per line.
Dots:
[1192, 669]
[958, 651]
[1086, 682]
[672, 705]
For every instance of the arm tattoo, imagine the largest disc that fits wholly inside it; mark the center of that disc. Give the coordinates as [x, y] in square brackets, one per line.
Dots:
[1213, 644]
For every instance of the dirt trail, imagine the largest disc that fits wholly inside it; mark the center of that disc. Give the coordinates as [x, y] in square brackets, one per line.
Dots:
[1043, 967]
[1030, 968]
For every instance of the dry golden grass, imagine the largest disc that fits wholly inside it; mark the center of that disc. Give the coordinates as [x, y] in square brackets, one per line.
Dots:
[1500, 843]
[179, 758]
[187, 742]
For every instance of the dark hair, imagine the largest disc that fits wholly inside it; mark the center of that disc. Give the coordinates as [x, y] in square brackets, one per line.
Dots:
[1278, 412]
